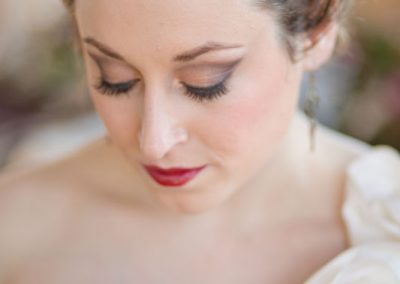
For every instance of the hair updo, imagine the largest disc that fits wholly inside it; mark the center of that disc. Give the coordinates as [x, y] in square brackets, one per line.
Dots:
[296, 18]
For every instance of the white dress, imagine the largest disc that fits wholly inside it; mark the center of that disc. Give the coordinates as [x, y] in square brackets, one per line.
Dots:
[371, 212]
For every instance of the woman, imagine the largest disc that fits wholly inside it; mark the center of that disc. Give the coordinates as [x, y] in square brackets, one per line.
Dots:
[206, 175]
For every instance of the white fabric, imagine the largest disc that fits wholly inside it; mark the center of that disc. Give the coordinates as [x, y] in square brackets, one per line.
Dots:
[371, 212]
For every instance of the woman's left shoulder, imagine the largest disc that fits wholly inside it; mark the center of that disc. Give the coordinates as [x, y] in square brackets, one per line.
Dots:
[371, 211]
[371, 181]
[341, 146]
[359, 160]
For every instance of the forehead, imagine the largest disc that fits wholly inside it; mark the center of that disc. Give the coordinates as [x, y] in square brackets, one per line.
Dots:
[149, 26]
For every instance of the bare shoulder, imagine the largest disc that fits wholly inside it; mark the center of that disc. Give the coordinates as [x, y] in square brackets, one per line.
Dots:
[37, 206]
[335, 152]
[341, 148]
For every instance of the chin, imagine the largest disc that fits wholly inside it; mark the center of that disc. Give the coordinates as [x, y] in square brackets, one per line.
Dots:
[190, 203]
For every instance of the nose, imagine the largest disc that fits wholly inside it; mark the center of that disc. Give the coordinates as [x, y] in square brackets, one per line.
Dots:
[159, 131]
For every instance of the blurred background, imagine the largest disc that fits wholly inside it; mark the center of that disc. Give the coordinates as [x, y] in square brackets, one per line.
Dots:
[45, 111]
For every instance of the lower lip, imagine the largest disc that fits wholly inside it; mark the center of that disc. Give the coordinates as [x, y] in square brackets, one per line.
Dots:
[177, 177]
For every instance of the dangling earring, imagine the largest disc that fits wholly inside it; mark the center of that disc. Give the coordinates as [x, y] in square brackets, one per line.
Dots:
[311, 103]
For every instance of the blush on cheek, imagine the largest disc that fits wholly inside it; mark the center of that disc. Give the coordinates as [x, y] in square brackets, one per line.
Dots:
[257, 118]
[263, 104]
[119, 118]
[265, 96]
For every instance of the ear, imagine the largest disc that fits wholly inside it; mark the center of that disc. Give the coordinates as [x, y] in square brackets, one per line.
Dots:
[316, 56]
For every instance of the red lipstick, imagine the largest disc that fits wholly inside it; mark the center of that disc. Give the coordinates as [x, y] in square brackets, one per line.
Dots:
[173, 176]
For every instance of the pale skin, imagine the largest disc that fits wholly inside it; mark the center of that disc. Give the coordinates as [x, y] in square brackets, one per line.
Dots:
[265, 210]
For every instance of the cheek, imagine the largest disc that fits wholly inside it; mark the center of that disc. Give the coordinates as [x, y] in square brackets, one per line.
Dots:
[257, 118]
[120, 118]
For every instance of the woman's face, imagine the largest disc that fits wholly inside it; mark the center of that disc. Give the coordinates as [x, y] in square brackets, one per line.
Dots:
[193, 84]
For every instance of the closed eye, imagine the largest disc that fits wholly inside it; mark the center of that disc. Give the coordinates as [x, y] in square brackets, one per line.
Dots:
[198, 93]
[207, 93]
[116, 89]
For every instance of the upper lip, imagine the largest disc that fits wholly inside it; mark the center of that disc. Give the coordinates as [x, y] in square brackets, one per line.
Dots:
[171, 171]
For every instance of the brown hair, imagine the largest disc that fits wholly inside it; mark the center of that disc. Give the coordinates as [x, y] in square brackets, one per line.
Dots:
[306, 18]
[297, 18]
[68, 3]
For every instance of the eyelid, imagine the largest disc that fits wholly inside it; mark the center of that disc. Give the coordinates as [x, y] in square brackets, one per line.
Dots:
[226, 70]
[210, 86]
[102, 61]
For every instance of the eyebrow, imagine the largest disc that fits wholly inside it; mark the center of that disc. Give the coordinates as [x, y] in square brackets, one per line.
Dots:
[209, 46]
[106, 50]
[183, 57]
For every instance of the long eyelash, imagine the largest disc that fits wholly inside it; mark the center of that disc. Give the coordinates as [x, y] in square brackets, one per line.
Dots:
[197, 93]
[107, 88]
[209, 94]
